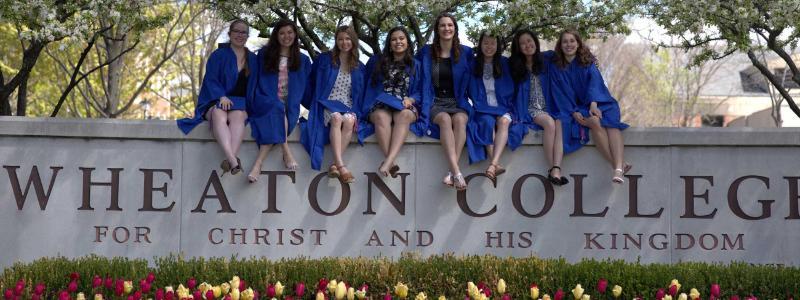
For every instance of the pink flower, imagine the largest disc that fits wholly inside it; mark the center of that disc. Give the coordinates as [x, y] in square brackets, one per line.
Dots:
[255, 295]
[8, 295]
[137, 295]
[387, 296]
[300, 289]
[36, 297]
[734, 297]
[169, 295]
[159, 294]
[96, 282]
[119, 287]
[363, 288]
[144, 286]
[109, 283]
[715, 290]
[74, 276]
[150, 277]
[485, 289]
[559, 295]
[506, 297]
[673, 290]
[602, 284]
[660, 294]
[322, 285]
[288, 297]
[72, 287]
[243, 286]
[209, 295]
[228, 297]
[39, 289]
[271, 291]
[131, 297]
[191, 284]
[198, 295]
[64, 295]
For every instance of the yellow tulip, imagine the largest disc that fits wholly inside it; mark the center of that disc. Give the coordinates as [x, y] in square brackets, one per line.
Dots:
[341, 290]
[472, 290]
[401, 290]
[235, 295]
[546, 297]
[247, 294]
[616, 291]
[98, 296]
[585, 297]
[694, 294]
[127, 287]
[535, 292]
[278, 289]
[361, 294]
[182, 292]
[577, 292]
[682, 296]
[501, 286]
[332, 286]
[482, 296]
[235, 282]
[442, 297]
[80, 296]
[676, 284]
[204, 287]
[351, 293]
[226, 288]
[667, 297]
[217, 291]
[320, 296]
[421, 296]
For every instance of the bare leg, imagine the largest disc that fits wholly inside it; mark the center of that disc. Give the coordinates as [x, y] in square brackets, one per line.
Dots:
[347, 134]
[460, 131]
[600, 137]
[402, 119]
[382, 121]
[219, 125]
[548, 140]
[288, 158]
[500, 139]
[447, 139]
[263, 150]
[617, 147]
[236, 119]
[336, 138]
[558, 146]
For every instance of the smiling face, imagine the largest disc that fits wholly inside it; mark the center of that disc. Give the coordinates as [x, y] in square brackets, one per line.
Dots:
[446, 28]
[527, 45]
[569, 44]
[286, 36]
[489, 46]
[398, 42]
[238, 34]
[343, 42]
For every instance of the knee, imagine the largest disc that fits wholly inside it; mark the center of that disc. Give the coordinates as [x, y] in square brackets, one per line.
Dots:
[443, 120]
[336, 119]
[349, 122]
[404, 116]
[503, 122]
[460, 119]
[593, 122]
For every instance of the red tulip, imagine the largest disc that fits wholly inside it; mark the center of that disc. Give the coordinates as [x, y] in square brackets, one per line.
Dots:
[63, 295]
[734, 297]
[506, 297]
[131, 297]
[271, 291]
[39, 289]
[673, 290]
[322, 285]
[243, 286]
[144, 286]
[602, 284]
[8, 295]
[559, 295]
[299, 289]
[96, 282]
[109, 283]
[72, 287]
[74, 276]
[387, 296]
[255, 295]
[191, 284]
[228, 297]
[485, 289]
[159, 294]
[119, 287]
[660, 294]
[363, 288]
[288, 297]
[137, 295]
[199, 295]
[715, 290]
[150, 277]
[36, 297]
[19, 289]
[169, 295]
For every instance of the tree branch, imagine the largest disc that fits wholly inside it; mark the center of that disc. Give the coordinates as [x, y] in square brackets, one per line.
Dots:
[774, 81]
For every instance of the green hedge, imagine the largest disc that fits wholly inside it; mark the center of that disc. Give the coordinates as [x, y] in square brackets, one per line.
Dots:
[437, 275]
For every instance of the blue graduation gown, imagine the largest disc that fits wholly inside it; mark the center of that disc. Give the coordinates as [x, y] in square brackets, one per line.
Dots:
[222, 72]
[374, 94]
[461, 75]
[589, 86]
[486, 116]
[266, 112]
[559, 86]
[315, 135]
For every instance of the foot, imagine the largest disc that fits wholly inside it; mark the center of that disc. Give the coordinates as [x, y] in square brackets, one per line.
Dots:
[393, 171]
[238, 168]
[252, 178]
[618, 173]
[554, 176]
[289, 162]
[345, 175]
[491, 172]
[382, 170]
[333, 171]
[627, 168]
[459, 183]
[448, 179]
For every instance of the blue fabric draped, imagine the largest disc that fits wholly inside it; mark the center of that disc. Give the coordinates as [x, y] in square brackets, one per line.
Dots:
[266, 112]
[374, 94]
[461, 74]
[560, 88]
[315, 135]
[589, 85]
[222, 72]
[485, 116]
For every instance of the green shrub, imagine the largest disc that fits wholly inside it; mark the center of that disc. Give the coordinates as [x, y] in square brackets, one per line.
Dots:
[436, 275]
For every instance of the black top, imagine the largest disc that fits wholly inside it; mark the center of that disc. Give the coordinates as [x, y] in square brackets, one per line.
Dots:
[240, 90]
[443, 78]
[397, 82]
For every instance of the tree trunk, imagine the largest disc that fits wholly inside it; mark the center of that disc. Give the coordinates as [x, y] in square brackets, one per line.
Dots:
[114, 78]
[29, 58]
[22, 96]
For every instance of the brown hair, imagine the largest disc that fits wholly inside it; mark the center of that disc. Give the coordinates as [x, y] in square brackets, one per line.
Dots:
[352, 61]
[273, 48]
[583, 54]
[436, 47]
[246, 52]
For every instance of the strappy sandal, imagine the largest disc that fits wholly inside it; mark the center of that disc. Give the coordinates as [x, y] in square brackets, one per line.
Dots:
[459, 183]
[618, 173]
[559, 181]
[333, 171]
[493, 171]
[345, 175]
[225, 165]
[448, 179]
[393, 171]
[627, 168]
[238, 168]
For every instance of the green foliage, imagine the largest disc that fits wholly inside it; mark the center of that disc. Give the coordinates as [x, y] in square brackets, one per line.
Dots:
[436, 275]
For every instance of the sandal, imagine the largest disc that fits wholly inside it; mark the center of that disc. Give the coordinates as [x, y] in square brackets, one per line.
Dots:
[225, 166]
[459, 183]
[558, 181]
[626, 168]
[238, 168]
[618, 176]
[393, 171]
[448, 179]
[333, 171]
[494, 170]
[345, 175]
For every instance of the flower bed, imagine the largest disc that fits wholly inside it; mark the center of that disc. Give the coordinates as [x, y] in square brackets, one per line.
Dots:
[434, 277]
